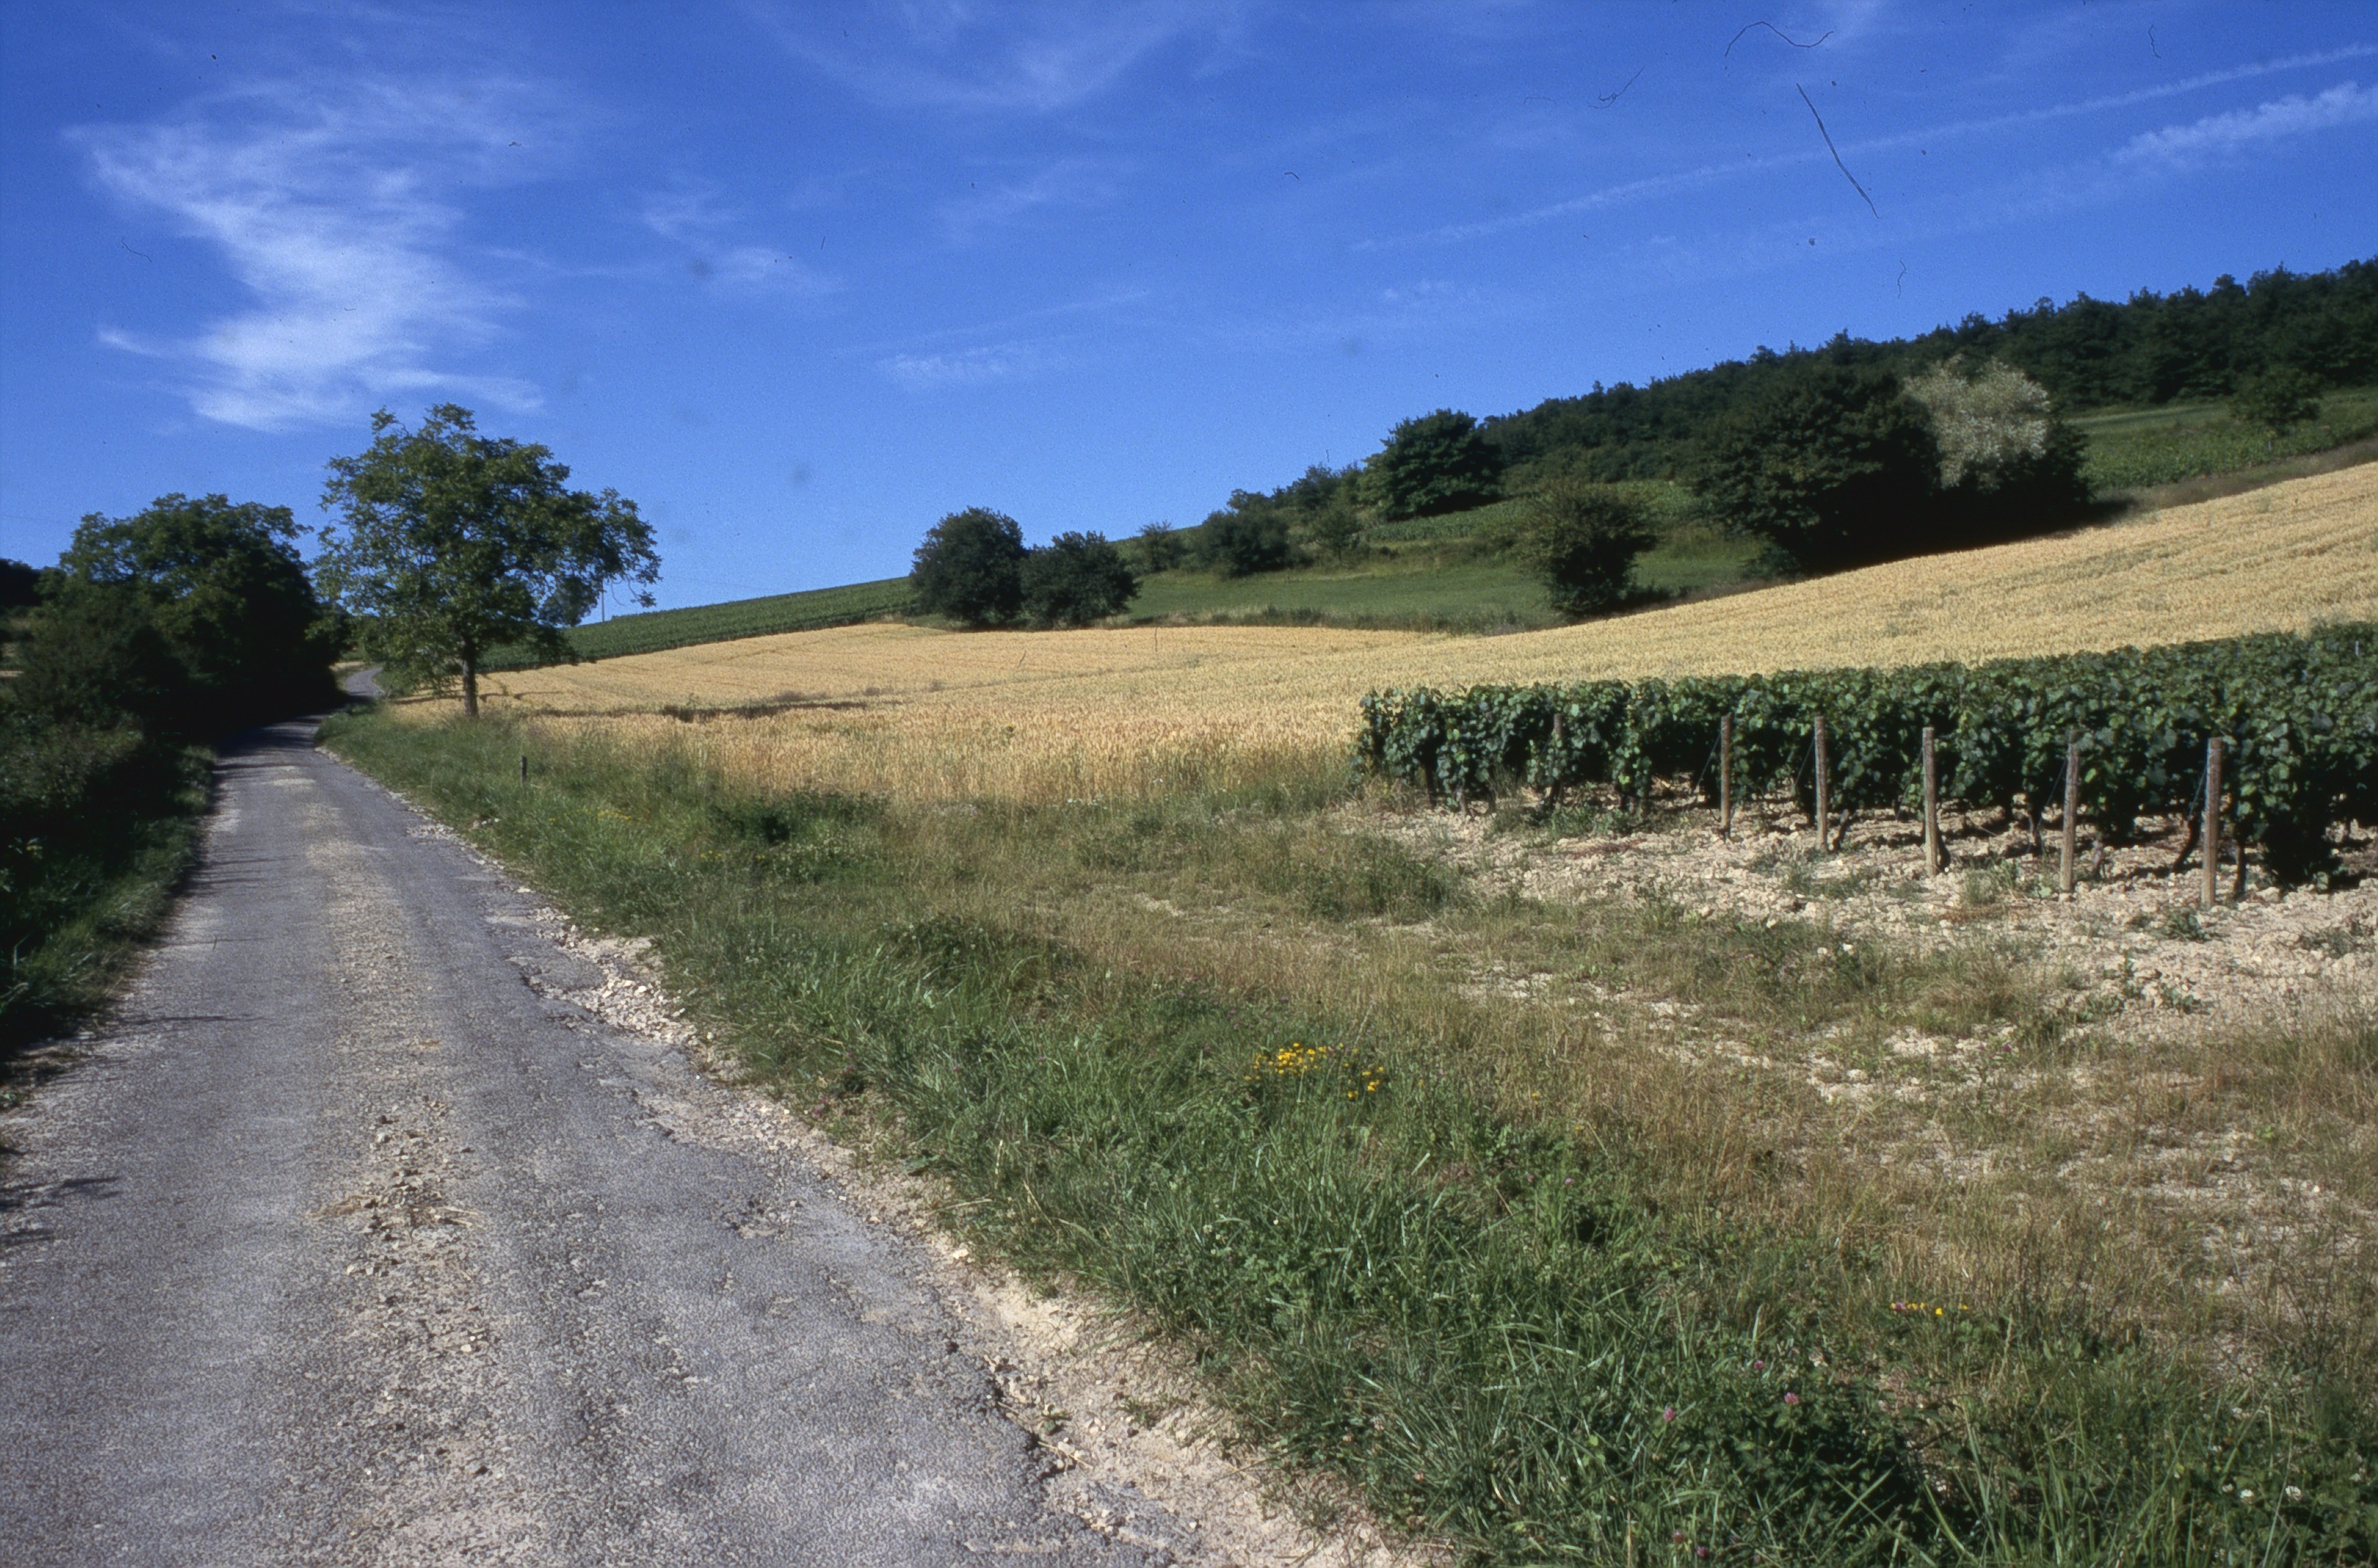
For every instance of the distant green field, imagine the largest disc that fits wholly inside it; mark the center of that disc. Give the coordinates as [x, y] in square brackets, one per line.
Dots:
[656, 629]
[2131, 449]
[1443, 581]
[1416, 588]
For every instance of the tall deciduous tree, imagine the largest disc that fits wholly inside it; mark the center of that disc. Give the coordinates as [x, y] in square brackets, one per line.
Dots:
[222, 583]
[1832, 468]
[1438, 462]
[1076, 579]
[457, 544]
[971, 568]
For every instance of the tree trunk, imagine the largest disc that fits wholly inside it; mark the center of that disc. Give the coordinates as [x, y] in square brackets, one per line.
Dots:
[469, 687]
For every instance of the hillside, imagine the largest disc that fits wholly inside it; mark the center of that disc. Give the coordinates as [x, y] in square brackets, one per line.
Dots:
[657, 629]
[1440, 573]
[915, 711]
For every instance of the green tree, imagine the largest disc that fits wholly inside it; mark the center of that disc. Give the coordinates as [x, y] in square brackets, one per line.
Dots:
[2275, 402]
[457, 544]
[1832, 467]
[1160, 547]
[1323, 501]
[20, 585]
[1076, 579]
[94, 657]
[223, 584]
[1248, 536]
[971, 568]
[1435, 463]
[1581, 540]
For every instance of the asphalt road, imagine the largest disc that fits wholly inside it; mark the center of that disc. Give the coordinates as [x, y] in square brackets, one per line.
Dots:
[354, 1239]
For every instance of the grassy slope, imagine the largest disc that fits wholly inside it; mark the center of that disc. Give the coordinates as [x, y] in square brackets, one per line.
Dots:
[1555, 1339]
[657, 629]
[1443, 581]
[2133, 449]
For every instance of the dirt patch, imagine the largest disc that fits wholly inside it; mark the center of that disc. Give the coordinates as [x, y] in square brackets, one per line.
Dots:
[2131, 939]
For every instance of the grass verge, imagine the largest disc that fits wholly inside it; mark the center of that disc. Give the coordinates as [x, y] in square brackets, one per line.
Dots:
[1594, 1333]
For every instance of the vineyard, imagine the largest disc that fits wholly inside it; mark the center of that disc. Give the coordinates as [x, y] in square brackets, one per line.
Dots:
[659, 631]
[2298, 714]
[2131, 449]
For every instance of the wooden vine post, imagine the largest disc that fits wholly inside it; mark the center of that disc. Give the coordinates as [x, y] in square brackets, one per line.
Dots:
[523, 770]
[2072, 807]
[2212, 822]
[1823, 786]
[1725, 776]
[1931, 807]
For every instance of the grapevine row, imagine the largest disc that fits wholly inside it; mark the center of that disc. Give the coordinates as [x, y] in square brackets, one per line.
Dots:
[2298, 714]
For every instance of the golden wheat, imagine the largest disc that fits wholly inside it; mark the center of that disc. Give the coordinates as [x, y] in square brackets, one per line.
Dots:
[1053, 715]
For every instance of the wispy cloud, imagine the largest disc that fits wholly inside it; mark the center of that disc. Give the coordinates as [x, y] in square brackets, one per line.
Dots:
[966, 367]
[1712, 173]
[2216, 135]
[1069, 183]
[693, 218]
[957, 56]
[324, 200]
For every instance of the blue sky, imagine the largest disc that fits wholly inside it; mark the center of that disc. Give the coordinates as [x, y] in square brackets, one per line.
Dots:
[800, 278]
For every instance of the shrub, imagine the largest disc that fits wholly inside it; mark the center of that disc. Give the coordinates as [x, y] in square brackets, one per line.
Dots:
[1435, 463]
[1076, 579]
[1580, 541]
[2276, 401]
[93, 656]
[1248, 536]
[971, 568]
[1160, 547]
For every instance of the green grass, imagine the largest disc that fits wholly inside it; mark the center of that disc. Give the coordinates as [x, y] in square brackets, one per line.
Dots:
[1418, 586]
[1503, 1329]
[656, 629]
[1451, 584]
[1444, 573]
[2133, 448]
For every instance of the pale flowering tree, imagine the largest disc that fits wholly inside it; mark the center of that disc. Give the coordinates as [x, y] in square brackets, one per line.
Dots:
[2006, 456]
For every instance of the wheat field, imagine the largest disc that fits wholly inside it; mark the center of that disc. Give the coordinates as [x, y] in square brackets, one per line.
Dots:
[1039, 716]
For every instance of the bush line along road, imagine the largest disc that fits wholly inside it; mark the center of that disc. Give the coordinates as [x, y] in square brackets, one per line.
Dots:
[354, 1239]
